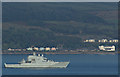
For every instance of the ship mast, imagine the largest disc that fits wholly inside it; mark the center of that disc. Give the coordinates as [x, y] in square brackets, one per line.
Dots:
[34, 53]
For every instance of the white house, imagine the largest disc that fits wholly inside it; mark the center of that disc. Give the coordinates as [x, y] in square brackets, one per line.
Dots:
[107, 48]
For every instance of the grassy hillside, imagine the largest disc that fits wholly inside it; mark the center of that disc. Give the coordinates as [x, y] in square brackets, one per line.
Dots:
[54, 24]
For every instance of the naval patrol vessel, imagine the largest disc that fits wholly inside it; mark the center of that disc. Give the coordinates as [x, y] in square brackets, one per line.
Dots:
[38, 61]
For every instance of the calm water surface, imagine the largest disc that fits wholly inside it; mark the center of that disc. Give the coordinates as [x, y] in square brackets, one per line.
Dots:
[80, 64]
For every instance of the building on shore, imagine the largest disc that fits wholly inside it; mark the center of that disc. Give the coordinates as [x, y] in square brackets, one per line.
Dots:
[53, 49]
[47, 49]
[10, 49]
[35, 48]
[103, 40]
[114, 40]
[90, 40]
[107, 48]
[41, 49]
[29, 49]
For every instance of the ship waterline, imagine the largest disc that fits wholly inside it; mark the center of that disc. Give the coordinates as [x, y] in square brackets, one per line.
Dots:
[57, 65]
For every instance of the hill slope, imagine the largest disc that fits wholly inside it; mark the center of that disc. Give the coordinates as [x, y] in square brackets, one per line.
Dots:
[54, 24]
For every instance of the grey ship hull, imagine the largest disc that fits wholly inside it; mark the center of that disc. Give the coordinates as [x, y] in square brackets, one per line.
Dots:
[56, 65]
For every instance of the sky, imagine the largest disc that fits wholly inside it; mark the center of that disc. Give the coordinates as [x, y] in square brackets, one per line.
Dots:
[60, 0]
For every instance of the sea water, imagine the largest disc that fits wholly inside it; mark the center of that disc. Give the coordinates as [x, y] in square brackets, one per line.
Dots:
[80, 64]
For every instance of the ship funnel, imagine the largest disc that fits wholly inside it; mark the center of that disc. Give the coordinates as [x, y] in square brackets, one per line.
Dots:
[38, 54]
[34, 53]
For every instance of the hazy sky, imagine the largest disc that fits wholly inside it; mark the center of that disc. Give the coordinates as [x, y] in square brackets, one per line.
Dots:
[60, 0]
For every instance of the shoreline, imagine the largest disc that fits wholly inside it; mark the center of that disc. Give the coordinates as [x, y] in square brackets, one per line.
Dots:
[97, 53]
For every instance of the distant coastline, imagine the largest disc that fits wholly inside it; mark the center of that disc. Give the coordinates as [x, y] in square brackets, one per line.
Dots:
[62, 52]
